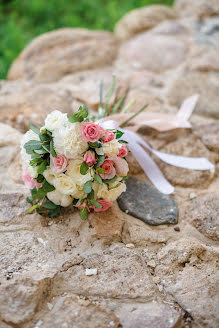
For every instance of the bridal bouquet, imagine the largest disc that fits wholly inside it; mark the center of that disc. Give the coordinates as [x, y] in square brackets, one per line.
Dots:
[72, 160]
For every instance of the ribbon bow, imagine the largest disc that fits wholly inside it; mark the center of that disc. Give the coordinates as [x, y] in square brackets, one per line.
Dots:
[136, 144]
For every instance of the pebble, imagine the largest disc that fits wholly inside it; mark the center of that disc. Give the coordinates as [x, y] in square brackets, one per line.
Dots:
[151, 264]
[192, 195]
[130, 245]
[91, 272]
[145, 202]
[177, 228]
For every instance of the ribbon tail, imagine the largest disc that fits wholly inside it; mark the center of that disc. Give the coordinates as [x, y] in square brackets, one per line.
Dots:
[151, 169]
[187, 108]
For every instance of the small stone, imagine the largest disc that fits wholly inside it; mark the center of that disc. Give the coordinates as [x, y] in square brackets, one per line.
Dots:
[130, 245]
[192, 195]
[146, 203]
[151, 264]
[160, 288]
[50, 306]
[177, 228]
[91, 272]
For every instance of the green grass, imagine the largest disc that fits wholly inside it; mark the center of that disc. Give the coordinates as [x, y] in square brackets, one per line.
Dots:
[22, 20]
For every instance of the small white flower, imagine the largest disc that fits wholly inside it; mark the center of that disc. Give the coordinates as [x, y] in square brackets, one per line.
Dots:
[50, 176]
[59, 199]
[26, 158]
[56, 120]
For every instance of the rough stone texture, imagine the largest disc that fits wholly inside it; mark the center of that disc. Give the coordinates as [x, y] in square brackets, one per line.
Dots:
[108, 224]
[145, 51]
[55, 54]
[141, 201]
[204, 214]
[188, 146]
[146, 276]
[205, 84]
[142, 19]
[199, 8]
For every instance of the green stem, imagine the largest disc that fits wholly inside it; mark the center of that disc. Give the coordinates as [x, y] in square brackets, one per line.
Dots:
[134, 115]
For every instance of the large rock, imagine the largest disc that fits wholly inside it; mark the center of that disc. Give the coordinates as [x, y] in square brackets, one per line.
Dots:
[205, 84]
[203, 212]
[198, 8]
[24, 102]
[142, 19]
[209, 135]
[146, 50]
[52, 55]
[188, 271]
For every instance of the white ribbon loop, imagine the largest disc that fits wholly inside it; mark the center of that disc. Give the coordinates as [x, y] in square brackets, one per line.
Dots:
[135, 143]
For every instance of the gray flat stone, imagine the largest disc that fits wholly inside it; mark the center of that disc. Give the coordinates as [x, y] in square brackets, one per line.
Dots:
[146, 203]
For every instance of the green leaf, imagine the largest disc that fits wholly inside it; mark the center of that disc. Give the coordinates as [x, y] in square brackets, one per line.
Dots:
[116, 186]
[29, 200]
[40, 151]
[122, 141]
[98, 179]
[44, 137]
[52, 150]
[119, 134]
[50, 205]
[95, 203]
[95, 144]
[34, 156]
[108, 181]
[47, 187]
[54, 212]
[42, 167]
[91, 195]
[84, 168]
[46, 146]
[34, 129]
[40, 178]
[133, 116]
[32, 208]
[117, 105]
[32, 145]
[84, 213]
[49, 133]
[33, 192]
[100, 160]
[125, 178]
[100, 170]
[87, 187]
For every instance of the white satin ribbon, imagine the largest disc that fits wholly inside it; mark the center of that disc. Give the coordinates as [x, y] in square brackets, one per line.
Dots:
[136, 144]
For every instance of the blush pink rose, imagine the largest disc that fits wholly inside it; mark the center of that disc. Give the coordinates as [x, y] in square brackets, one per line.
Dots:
[30, 182]
[89, 158]
[121, 166]
[108, 136]
[109, 169]
[59, 163]
[91, 131]
[123, 151]
[105, 205]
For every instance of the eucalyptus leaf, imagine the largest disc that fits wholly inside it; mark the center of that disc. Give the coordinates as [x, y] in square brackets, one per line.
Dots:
[42, 167]
[91, 195]
[98, 179]
[32, 208]
[87, 187]
[95, 203]
[54, 212]
[84, 168]
[46, 146]
[100, 160]
[100, 170]
[34, 129]
[52, 150]
[47, 187]
[84, 213]
[50, 205]
[108, 181]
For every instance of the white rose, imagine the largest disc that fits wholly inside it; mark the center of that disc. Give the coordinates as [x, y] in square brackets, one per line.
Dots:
[111, 148]
[59, 199]
[65, 184]
[33, 171]
[56, 120]
[101, 190]
[50, 176]
[29, 135]
[68, 141]
[73, 171]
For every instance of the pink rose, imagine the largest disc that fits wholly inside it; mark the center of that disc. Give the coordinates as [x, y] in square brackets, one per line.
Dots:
[83, 205]
[59, 163]
[121, 166]
[108, 136]
[91, 131]
[30, 182]
[109, 169]
[89, 158]
[105, 205]
[123, 151]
